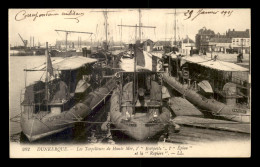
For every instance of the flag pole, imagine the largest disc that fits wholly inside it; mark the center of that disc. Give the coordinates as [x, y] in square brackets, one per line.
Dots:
[134, 48]
[46, 79]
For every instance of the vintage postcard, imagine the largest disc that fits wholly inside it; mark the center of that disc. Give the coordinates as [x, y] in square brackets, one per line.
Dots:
[149, 83]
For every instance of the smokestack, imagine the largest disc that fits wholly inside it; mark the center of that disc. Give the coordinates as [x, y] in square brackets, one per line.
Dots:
[33, 41]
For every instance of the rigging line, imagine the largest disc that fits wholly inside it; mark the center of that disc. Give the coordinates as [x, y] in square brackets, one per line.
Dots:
[42, 122]
[154, 33]
[16, 118]
[31, 127]
[42, 75]
[58, 33]
[77, 118]
[41, 65]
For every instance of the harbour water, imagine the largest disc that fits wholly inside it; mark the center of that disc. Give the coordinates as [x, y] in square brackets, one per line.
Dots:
[17, 64]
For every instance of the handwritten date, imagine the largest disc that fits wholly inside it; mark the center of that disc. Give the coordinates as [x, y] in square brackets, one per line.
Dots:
[191, 14]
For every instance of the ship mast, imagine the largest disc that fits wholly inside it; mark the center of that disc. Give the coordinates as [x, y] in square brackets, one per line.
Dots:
[105, 12]
[175, 28]
[140, 24]
[105, 16]
[121, 35]
[136, 26]
[47, 77]
[66, 36]
[135, 47]
[175, 43]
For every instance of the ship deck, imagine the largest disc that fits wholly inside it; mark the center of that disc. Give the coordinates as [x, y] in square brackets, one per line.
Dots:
[196, 135]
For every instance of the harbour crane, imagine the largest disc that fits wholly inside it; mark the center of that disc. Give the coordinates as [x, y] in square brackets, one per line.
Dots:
[67, 32]
[25, 42]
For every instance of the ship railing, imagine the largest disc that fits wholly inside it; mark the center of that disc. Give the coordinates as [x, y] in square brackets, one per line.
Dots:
[16, 118]
[242, 83]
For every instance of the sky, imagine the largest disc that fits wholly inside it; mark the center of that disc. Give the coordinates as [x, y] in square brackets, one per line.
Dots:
[42, 23]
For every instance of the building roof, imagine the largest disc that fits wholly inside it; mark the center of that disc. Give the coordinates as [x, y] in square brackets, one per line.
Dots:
[162, 43]
[220, 40]
[186, 40]
[147, 40]
[238, 34]
[205, 31]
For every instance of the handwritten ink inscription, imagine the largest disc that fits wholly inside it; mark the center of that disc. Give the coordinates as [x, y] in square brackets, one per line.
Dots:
[191, 14]
[71, 14]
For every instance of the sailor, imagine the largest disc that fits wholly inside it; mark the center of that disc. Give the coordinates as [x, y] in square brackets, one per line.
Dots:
[127, 116]
[165, 93]
[62, 94]
[155, 91]
[155, 113]
[140, 101]
[148, 82]
[215, 57]
[239, 58]
[95, 81]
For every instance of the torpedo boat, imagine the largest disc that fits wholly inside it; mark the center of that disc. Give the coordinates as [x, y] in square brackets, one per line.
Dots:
[218, 88]
[74, 87]
[138, 106]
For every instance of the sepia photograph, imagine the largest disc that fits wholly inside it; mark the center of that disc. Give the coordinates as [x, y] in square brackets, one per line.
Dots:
[129, 82]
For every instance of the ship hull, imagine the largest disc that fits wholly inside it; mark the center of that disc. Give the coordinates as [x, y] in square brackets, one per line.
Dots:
[210, 105]
[27, 52]
[38, 126]
[66, 54]
[140, 127]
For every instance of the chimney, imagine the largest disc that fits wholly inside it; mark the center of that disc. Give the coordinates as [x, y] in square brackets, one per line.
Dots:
[233, 29]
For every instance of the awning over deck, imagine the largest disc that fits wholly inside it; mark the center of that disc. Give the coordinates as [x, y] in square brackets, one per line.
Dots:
[69, 63]
[213, 64]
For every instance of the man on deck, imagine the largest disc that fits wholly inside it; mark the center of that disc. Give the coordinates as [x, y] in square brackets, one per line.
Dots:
[62, 94]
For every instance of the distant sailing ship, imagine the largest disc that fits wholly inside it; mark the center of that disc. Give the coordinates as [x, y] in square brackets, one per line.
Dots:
[74, 88]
